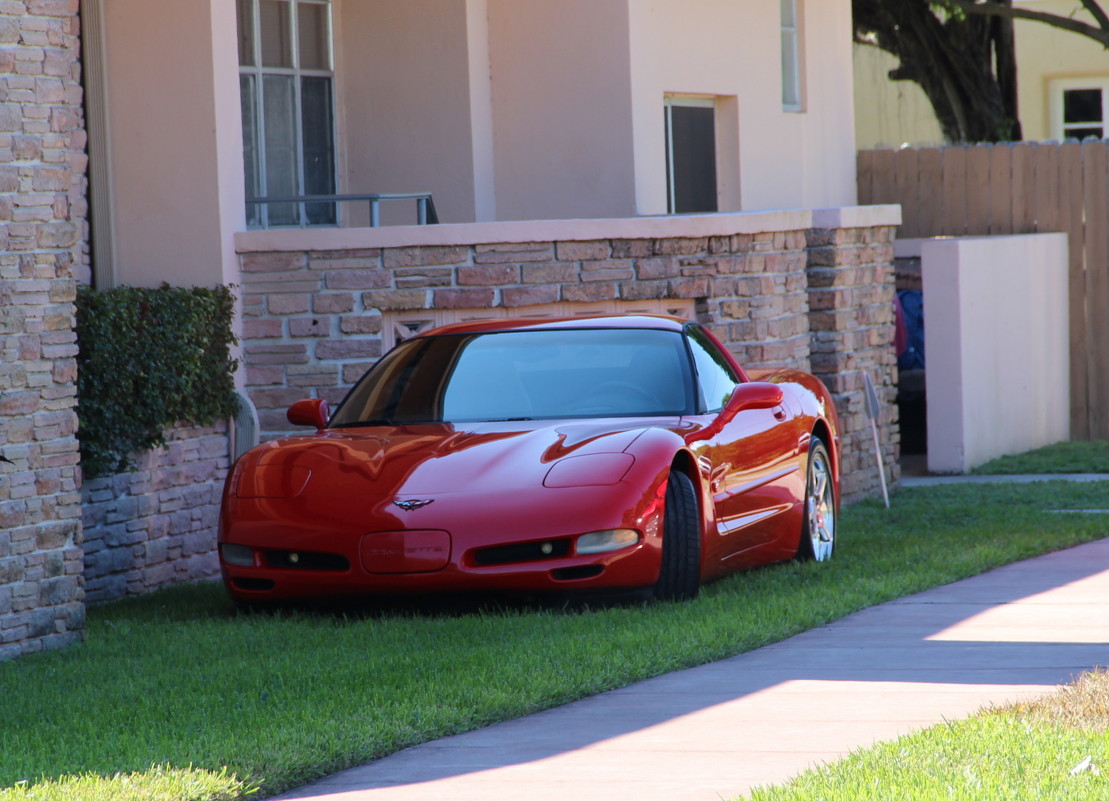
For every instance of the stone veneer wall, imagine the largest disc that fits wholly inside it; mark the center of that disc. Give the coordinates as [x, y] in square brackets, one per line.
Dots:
[815, 299]
[851, 317]
[42, 231]
[156, 525]
[313, 321]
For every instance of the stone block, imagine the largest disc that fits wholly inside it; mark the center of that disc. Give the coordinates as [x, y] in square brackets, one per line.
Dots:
[583, 251]
[489, 275]
[425, 256]
[463, 298]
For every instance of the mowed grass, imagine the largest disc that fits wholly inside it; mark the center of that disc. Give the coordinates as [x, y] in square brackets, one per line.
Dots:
[1062, 457]
[1053, 749]
[178, 684]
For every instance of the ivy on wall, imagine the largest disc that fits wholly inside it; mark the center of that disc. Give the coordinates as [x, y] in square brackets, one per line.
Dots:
[149, 358]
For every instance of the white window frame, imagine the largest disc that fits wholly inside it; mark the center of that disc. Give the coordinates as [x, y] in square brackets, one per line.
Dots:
[792, 51]
[258, 215]
[1056, 89]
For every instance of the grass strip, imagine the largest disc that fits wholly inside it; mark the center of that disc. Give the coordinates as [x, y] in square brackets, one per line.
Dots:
[1062, 457]
[178, 678]
[1055, 749]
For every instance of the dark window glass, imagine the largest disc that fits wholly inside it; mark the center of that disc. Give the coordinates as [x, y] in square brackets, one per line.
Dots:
[319, 156]
[279, 101]
[691, 158]
[248, 96]
[1081, 105]
[315, 42]
[277, 38]
[522, 375]
[716, 380]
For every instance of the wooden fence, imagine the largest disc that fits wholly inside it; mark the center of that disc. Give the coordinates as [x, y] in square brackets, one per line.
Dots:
[1013, 189]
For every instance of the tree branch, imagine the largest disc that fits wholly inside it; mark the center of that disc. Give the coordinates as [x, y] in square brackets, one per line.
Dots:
[1098, 34]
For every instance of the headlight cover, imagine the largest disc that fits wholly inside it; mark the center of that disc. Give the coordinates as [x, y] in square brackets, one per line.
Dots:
[605, 541]
[238, 555]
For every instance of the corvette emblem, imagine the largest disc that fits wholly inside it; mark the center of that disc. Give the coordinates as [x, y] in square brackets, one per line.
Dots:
[408, 506]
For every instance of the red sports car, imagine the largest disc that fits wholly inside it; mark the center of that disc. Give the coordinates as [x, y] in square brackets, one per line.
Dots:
[577, 454]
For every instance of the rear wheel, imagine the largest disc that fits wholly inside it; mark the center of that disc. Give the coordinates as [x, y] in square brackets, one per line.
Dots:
[818, 528]
[680, 575]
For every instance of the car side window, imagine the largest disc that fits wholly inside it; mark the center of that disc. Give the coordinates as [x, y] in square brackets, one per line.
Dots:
[716, 380]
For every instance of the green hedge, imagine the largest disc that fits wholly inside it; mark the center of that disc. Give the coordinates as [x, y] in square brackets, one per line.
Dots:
[149, 358]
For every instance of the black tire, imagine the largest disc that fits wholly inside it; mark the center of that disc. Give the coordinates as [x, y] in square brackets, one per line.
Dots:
[680, 575]
[818, 525]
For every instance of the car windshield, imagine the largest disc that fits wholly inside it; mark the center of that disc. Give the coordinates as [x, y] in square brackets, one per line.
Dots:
[524, 375]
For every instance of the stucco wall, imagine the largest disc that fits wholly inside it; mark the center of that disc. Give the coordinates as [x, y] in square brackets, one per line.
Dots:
[996, 343]
[892, 113]
[1048, 54]
[175, 171]
[731, 50]
[403, 76]
[561, 109]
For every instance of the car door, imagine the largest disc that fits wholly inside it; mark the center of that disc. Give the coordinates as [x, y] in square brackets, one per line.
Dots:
[752, 463]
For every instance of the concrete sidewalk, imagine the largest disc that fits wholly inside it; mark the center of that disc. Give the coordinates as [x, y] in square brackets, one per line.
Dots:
[718, 730]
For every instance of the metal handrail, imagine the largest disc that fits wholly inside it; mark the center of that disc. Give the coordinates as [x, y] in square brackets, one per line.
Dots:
[425, 206]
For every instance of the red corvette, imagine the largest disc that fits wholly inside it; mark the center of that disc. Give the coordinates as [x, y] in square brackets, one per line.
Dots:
[578, 454]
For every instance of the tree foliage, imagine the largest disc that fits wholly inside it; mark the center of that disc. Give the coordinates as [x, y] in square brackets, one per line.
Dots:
[961, 53]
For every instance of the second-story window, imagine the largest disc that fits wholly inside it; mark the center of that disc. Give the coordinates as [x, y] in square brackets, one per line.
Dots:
[792, 99]
[286, 83]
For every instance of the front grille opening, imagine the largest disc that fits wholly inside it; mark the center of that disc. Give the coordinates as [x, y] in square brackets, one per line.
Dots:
[577, 573]
[306, 560]
[521, 552]
[253, 584]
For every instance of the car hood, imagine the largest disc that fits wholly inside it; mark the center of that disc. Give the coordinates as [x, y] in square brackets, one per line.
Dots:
[435, 458]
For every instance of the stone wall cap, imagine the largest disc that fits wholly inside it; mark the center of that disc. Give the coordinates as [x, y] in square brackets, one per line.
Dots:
[857, 216]
[455, 234]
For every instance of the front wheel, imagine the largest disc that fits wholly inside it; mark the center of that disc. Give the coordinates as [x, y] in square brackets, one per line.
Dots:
[818, 528]
[680, 574]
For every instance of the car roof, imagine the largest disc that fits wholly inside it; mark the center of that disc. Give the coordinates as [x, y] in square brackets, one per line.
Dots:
[659, 322]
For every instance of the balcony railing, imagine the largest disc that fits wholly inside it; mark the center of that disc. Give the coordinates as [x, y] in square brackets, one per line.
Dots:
[425, 206]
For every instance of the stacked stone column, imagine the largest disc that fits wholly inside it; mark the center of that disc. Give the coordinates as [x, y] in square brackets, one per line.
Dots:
[42, 234]
[851, 291]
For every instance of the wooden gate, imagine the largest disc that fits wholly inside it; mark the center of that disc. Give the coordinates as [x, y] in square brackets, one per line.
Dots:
[1015, 189]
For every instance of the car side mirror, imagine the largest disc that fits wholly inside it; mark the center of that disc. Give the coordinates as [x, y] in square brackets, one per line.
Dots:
[752, 395]
[310, 412]
[748, 395]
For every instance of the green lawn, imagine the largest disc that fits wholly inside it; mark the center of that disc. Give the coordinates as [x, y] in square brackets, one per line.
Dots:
[1062, 457]
[179, 681]
[1054, 749]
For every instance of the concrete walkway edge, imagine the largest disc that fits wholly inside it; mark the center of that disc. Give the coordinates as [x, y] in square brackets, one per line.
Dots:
[718, 730]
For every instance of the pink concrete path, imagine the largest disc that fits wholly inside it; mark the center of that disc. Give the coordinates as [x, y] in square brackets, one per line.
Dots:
[718, 730]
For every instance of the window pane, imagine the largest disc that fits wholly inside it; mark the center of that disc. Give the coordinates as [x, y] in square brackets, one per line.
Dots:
[245, 10]
[791, 95]
[789, 13]
[1082, 105]
[692, 138]
[319, 158]
[715, 378]
[248, 98]
[277, 48]
[314, 41]
[279, 103]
